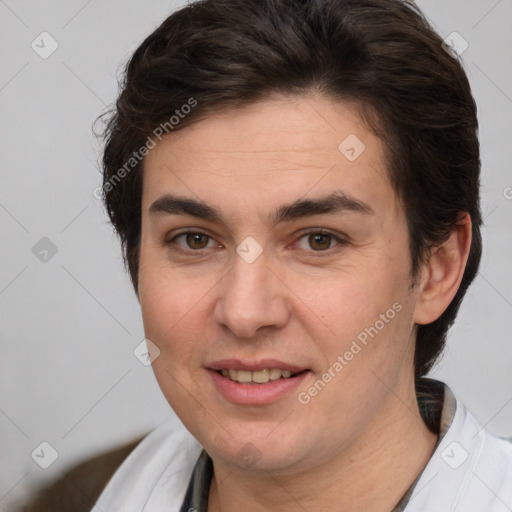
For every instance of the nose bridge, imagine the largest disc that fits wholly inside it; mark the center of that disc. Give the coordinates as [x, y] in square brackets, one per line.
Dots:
[250, 298]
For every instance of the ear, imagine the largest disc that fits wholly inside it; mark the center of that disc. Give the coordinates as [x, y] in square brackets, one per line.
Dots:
[442, 274]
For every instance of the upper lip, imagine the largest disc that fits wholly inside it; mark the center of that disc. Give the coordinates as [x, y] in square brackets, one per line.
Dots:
[254, 366]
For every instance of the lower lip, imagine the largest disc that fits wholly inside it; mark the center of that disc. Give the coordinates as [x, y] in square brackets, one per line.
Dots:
[255, 394]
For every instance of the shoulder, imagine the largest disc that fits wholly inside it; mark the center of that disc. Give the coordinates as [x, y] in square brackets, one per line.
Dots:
[143, 473]
[470, 471]
[486, 461]
[155, 475]
[489, 480]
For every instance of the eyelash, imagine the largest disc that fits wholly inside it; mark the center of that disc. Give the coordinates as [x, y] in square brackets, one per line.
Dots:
[339, 241]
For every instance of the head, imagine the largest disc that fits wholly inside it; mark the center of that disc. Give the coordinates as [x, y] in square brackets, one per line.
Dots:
[240, 110]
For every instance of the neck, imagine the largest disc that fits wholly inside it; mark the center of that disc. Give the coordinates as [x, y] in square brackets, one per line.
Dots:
[372, 475]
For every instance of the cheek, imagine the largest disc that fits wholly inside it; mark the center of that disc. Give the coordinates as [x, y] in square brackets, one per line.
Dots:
[368, 316]
[170, 309]
[346, 301]
[167, 296]
[175, 321]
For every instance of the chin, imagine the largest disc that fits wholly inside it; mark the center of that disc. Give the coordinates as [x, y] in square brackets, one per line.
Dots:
[257, 451]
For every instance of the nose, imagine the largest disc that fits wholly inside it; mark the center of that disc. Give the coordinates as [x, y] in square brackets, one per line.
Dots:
[251, 297]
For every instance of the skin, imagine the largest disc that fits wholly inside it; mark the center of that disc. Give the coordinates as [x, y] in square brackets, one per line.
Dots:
[360, 442]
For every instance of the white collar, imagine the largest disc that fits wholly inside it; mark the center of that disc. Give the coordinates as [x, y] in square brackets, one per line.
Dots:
[470, 471]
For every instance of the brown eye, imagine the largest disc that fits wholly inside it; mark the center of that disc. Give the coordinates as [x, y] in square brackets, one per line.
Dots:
[192, 241]
[319, 241]
[197, 240]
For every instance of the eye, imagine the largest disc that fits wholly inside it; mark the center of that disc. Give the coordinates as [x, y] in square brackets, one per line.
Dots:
[193, 240]
[319, 241]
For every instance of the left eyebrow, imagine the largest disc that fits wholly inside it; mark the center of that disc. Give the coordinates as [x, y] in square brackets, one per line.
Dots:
[335, 202]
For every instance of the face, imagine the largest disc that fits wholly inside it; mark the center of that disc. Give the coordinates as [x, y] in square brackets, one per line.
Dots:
[275, 281]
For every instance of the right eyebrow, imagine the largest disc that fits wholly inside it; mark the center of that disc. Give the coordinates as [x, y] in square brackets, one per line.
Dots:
[175, 205]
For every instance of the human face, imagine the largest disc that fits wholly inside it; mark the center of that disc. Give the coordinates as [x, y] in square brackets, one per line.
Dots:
[334, 266]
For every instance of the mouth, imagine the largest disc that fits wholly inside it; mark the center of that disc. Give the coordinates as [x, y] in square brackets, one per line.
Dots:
[257, 377]
[256, 383]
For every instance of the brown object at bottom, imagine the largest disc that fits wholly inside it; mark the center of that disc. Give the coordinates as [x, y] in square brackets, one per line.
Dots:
[81, 486]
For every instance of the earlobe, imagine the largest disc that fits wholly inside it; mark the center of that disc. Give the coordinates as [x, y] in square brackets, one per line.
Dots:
[443, 273]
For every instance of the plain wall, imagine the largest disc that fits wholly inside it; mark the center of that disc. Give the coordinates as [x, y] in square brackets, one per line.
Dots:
[70, 324]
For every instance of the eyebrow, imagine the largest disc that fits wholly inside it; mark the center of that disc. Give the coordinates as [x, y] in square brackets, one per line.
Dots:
[335, 202]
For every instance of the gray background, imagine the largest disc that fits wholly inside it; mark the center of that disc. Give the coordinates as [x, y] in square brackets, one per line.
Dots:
[70, 324]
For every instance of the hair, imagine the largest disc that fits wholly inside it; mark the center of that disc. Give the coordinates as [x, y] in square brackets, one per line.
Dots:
[381, 54]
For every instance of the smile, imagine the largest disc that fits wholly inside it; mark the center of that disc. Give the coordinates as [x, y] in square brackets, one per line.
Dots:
[257, 377]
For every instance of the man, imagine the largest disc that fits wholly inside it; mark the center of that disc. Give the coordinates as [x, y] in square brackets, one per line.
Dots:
[295, 184]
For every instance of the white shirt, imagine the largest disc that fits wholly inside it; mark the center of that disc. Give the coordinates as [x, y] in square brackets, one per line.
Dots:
[470, 471]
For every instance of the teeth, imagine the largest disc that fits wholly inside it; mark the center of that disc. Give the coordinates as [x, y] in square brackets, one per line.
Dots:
[258, 377]
[261, 376]
[243, 376]
[275, 374]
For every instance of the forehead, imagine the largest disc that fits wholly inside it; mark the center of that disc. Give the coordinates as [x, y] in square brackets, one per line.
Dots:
[287, 146]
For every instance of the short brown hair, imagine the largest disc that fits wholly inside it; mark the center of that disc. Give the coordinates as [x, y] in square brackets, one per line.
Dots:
[382, 54]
